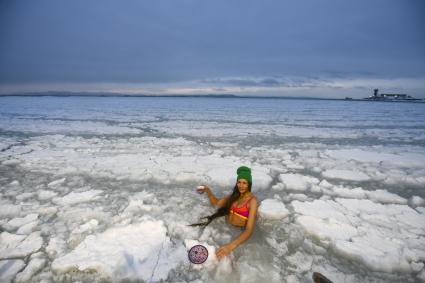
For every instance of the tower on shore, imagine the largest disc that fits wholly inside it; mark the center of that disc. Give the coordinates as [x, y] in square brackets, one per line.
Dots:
[375, 92]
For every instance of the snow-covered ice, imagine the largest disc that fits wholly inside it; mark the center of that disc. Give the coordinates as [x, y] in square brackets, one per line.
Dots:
[367, 232]
[74, 198]
[9, 268]
[34, 266]
[349, 175]
[9, 210]
[135, 251]
[297, 182]
[272, 209]
[13, 246]
[104, 188]
[16, 223]
[417, 201]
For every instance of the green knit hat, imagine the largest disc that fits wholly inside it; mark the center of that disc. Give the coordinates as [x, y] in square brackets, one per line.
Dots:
[244, 173]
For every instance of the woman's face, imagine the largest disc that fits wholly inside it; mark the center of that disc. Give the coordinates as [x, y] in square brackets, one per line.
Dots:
[243, 186]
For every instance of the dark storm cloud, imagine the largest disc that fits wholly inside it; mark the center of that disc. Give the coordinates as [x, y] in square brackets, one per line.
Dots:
[166, 41]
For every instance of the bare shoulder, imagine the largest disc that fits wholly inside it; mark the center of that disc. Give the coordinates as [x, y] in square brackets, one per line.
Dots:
[253, 201]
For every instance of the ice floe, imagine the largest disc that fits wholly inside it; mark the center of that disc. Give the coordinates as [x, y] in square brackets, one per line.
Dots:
[90, 225]
[9, 210]
[74, 198]
[383, 196]
[35, 265]
[401, 159]
[296, 182]
[16, 223]
[272, 209]
[56, 183]
[157, 161]
[345, 175]
[135, 251]
[45, 195]
[9, 268]
[416, 201]
[56, 246]
[12, 245]
[11, 162]
[367, 232]
[140, 202]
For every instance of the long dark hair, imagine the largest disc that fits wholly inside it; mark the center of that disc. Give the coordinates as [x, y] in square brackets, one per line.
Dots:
[225, 209]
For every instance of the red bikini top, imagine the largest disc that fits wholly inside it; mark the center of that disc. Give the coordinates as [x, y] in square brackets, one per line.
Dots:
[242, 211]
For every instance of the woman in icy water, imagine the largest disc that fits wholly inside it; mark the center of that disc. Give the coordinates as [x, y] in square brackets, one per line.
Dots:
[240, 209]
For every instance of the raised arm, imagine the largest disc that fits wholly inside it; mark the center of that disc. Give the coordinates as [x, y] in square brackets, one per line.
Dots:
[249, 228]
[213, 199]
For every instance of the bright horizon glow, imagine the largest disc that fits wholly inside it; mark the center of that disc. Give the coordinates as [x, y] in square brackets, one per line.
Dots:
[287, 87]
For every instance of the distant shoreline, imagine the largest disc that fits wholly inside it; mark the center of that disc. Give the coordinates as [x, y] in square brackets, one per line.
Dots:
[160, 96]
[87, 94]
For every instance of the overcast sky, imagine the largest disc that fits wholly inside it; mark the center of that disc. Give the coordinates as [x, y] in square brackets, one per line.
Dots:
[322, 48]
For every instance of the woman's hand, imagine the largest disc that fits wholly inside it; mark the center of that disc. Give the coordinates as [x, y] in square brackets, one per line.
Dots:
[202, 189]
[223, 251]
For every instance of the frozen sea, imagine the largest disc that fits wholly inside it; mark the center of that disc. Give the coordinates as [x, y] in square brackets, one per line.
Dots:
[102, 189]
